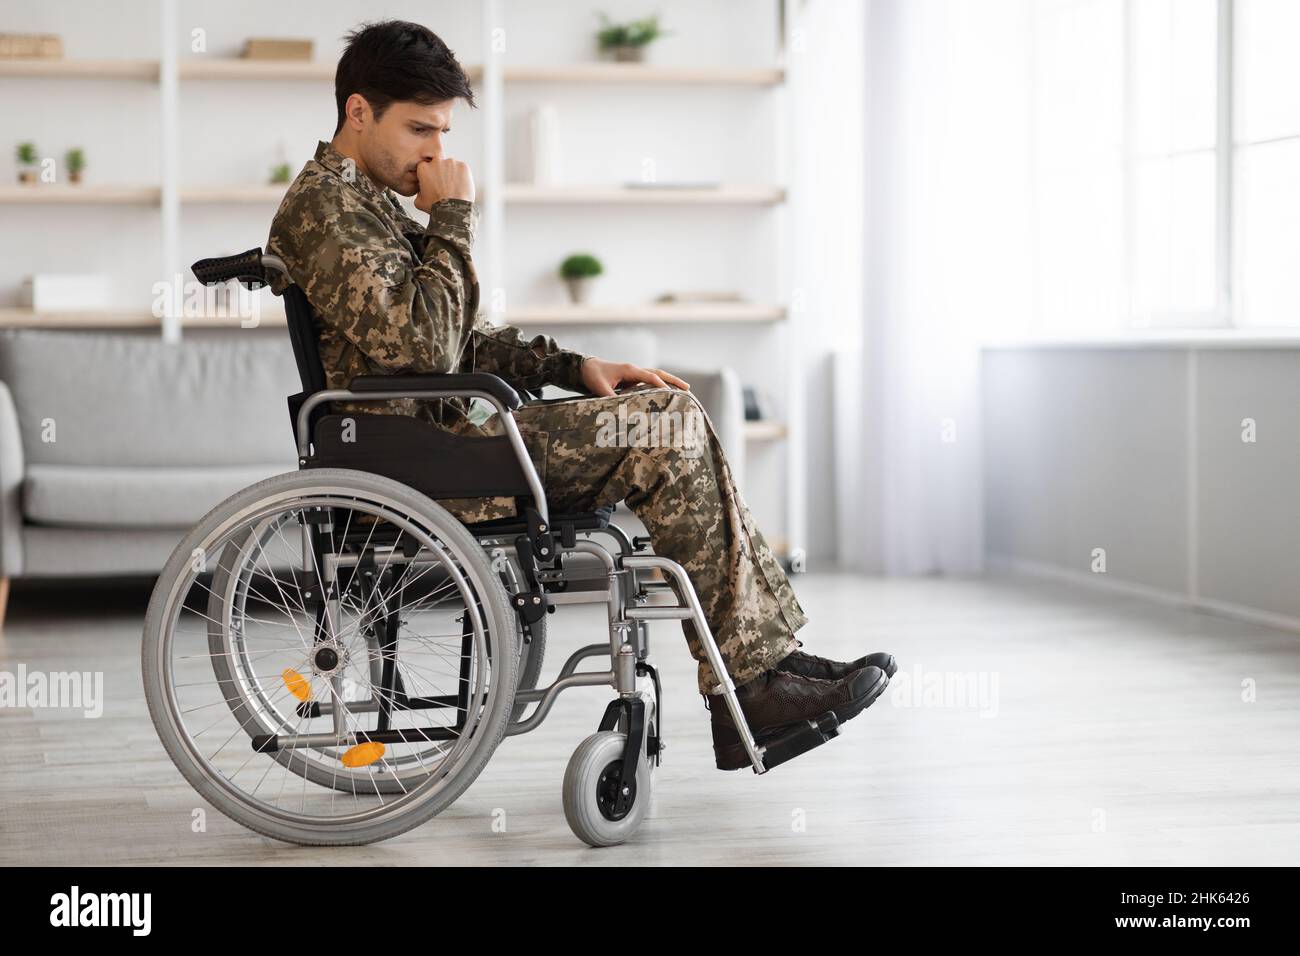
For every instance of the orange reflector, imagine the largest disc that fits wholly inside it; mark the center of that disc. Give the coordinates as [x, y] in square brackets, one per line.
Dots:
[362, 755]
[298, 685]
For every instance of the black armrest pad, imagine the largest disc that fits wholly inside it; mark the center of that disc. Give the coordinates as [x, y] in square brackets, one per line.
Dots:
[456, 381]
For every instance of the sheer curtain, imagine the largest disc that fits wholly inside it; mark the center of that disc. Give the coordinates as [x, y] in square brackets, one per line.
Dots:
[947, 215]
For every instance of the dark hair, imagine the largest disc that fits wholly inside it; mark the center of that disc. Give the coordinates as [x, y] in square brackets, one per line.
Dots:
[395, 60]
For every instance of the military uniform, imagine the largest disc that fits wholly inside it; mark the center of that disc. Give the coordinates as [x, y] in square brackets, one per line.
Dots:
[392, 296]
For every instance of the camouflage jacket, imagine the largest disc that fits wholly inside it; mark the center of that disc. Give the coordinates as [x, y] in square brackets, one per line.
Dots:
[392, 296]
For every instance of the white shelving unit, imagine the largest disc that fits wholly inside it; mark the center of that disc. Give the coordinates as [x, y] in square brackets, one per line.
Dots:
[176, 70]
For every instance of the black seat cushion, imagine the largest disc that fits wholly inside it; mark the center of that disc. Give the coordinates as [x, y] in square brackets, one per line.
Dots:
[581, 521]
[433, 461]
[414, 452]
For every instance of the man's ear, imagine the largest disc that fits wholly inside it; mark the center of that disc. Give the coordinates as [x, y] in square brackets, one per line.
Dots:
[357, 111]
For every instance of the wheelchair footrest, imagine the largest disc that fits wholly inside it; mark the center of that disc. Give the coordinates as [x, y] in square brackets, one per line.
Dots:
[799, 739]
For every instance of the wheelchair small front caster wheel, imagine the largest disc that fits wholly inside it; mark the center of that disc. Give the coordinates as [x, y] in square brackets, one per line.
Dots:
[592, 783]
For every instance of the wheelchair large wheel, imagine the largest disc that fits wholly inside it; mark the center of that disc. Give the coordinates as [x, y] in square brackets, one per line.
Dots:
[348, 671]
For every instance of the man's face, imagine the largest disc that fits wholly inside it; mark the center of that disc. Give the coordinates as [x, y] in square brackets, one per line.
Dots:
[406, 135]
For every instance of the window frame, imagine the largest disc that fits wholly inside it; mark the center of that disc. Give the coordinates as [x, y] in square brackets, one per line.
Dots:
[1223, 315]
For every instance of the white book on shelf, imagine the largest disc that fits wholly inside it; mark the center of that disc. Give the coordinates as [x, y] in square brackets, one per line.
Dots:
[65, 292]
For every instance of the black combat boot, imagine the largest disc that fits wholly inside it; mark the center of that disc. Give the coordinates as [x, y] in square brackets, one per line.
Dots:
[776, 699]
[810, 665]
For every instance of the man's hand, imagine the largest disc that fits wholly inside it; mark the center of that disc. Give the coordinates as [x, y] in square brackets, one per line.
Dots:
[602, 378]
[443, 179]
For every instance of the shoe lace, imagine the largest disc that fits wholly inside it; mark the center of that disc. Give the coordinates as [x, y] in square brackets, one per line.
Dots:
[811, 657]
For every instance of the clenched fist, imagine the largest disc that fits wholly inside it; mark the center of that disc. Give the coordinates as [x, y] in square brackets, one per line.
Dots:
[443, 179]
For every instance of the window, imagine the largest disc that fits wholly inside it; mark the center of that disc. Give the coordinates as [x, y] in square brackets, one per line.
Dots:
[1165, 133]
[1266, 156]
[1078, 163]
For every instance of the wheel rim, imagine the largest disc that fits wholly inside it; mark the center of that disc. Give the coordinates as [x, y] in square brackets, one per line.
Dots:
[251, 651]
[608, 785]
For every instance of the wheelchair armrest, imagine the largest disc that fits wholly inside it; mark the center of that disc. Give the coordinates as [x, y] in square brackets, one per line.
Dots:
[494, 385]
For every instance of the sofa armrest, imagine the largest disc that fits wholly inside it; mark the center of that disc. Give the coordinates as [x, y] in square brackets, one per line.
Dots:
[12, 469]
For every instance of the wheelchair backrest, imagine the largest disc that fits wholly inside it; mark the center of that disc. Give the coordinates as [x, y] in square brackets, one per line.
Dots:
[305, 339]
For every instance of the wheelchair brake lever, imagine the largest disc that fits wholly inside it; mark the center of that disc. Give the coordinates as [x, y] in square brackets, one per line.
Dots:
[543, 542]
[530, 603]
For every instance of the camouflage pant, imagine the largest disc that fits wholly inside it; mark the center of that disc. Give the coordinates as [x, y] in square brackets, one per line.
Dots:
[589, 453]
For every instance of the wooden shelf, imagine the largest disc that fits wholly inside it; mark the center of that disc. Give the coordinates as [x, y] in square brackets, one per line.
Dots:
[645, 73]
[764, 430]
[658, 312]
[528, 194]
[533, 195]
[82, 193]
[237, 68]
[145, 195]
[235, 194]
[515, 193]
[21, 318]
[81, 69]
[18, 317]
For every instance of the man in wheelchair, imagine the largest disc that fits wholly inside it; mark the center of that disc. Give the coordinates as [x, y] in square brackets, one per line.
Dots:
[392, 296]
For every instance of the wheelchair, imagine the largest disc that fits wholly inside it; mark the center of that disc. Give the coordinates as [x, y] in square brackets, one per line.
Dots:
[330, 657]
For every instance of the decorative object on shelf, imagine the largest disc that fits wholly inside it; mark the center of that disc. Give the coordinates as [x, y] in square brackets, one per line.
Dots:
[626, 42]
[281, 171]
[578, 271]
[74, 160]
[756, 404]
[53, 292]
[544, 138]
[27, 156]
[701, 296]
[31, 46]
[270, 48]
[671, 184]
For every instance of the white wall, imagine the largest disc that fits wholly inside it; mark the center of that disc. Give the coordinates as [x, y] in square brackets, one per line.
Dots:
[1139, 451]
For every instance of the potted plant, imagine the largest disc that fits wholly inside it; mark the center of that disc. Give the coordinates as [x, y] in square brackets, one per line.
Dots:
[26, 153]
[627, 41]
[75, 161]
[280, 173]
[577, 271]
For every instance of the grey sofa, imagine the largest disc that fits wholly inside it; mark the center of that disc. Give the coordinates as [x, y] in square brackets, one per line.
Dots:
[113, 444]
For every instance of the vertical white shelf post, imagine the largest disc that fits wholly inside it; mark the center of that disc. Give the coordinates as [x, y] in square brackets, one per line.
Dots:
[169, 200]
[787, 174]
[492, 186]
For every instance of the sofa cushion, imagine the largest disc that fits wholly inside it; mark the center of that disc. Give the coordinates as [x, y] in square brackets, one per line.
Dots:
[93, 496]
[125, 399]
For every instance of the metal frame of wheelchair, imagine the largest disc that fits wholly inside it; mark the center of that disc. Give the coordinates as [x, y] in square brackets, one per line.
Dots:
[535, 547]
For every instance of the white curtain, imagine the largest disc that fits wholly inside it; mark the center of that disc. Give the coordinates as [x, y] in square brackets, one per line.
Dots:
[947, 264]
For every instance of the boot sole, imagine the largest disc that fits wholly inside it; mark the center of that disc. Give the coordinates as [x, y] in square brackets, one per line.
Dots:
[734, 756]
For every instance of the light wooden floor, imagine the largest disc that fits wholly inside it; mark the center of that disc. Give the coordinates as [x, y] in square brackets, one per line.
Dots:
[1119, 736]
